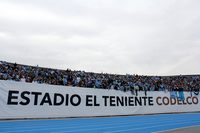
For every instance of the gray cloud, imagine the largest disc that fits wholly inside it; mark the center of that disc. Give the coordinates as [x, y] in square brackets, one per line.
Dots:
[144, 37]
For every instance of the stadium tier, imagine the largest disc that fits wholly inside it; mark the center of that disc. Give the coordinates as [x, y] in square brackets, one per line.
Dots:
[35, 74]
[36, 92]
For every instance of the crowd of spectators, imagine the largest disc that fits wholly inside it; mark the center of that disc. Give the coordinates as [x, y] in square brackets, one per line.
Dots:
[35, 74]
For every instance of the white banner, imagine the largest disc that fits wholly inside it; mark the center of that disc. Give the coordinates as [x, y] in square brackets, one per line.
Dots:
[30, 100]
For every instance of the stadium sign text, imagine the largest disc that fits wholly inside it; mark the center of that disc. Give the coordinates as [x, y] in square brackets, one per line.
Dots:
[58, 99]
[30, 100]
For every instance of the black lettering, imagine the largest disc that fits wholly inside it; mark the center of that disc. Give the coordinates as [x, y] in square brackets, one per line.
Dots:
[88, 100]
[112, 101]
[46, 99]
[126, 101]
[195, 100]
[105, 100]
[158, 98]
[120, 101]
[23, 96]
[184, 103]
[95, 101]
[56, 96]
[145, 98]
[165, 100]
[172, 101]
[36, 94]
[150, 101]
[179, 101]
[138, 101]
[130, 101]
[12, 97]
[67, 100]
[72, 100]
[189, 102]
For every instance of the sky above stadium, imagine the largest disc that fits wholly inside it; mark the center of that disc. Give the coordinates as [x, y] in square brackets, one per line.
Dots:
[147, 37]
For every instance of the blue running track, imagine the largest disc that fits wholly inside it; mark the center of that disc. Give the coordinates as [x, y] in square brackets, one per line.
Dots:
[126, 124]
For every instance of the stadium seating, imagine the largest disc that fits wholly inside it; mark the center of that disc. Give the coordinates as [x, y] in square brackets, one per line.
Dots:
[35, 74]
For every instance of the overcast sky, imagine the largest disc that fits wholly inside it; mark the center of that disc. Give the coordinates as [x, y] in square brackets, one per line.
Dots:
[149, 37]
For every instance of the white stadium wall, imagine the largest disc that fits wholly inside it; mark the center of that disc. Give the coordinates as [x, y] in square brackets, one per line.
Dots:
[30, 100]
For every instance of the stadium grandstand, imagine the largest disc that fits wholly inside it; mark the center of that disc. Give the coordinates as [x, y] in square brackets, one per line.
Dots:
[36, 74]
[66, 96]
[99, 66]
